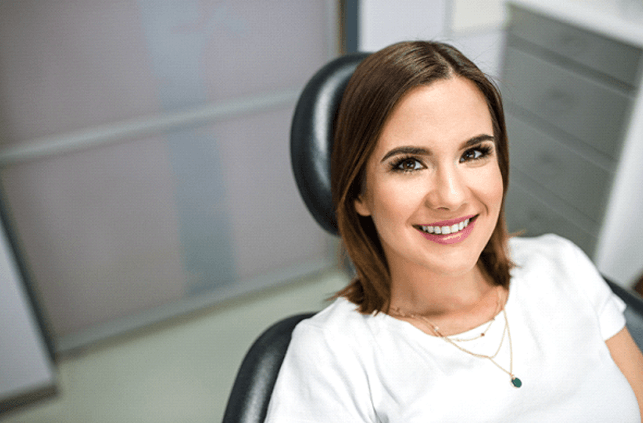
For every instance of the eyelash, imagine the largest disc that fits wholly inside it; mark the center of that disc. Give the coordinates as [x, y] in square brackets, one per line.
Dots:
[396, 166]
[484, 150]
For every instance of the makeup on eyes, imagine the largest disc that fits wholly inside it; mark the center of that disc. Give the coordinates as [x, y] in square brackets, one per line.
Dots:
[397, 165]
[410, 150]
[484, 149]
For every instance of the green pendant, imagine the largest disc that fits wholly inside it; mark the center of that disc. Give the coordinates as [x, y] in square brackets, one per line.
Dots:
[516, 382]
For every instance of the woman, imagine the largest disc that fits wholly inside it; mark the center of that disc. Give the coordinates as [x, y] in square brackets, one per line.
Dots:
[447, 319]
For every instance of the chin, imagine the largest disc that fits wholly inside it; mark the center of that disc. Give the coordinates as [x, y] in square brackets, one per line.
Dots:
[454, 270]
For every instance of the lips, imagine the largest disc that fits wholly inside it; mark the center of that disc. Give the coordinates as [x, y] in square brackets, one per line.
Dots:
[448, 231]
[447, 227]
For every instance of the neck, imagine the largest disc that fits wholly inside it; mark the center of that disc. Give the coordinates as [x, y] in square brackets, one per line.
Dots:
[440, 295]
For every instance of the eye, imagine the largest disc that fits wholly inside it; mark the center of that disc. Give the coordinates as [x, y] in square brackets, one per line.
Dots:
[407, 164]
[476, 153]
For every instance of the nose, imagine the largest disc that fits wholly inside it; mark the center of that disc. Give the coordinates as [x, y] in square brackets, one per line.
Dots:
[447, 189]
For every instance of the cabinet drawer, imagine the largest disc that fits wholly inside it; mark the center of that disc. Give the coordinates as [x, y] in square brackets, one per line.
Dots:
[583, 108]
[526, 212]
[561, 170]
[614, 58]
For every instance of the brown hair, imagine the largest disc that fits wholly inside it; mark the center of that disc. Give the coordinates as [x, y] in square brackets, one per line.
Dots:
[375, 88]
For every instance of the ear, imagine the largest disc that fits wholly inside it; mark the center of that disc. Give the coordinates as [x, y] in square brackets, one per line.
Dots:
[361, 206]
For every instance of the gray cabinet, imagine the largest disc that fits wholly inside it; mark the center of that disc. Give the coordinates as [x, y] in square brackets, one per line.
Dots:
[569, 94]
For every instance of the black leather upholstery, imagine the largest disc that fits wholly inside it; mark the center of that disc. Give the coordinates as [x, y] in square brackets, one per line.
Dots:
[250, 395]
[311, 136]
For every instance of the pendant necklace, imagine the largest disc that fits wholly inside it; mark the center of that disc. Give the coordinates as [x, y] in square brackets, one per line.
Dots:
[515, 381]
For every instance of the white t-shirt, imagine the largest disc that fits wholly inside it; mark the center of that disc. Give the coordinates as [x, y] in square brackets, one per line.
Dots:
[343, 366]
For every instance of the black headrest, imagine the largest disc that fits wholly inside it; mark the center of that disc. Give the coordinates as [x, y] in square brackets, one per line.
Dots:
[311, 136]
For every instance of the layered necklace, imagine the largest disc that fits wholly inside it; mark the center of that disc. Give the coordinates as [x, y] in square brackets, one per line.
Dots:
[515, 381]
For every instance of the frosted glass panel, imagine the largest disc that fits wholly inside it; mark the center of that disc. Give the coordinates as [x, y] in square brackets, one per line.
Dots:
[100, 231]
[116, 230]
[271, 227]
[66, 65]
[69, 64]
[218, 50]
[142, 222]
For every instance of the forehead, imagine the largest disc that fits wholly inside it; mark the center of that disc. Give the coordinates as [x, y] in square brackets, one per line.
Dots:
[448, 111]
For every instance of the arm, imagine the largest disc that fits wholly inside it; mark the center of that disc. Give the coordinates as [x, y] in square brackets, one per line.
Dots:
[629, 359]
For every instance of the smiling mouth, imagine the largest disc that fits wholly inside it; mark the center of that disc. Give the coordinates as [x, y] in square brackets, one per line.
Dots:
[446, 230]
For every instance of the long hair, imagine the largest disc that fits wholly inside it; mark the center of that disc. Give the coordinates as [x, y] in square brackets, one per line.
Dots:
[375, 88]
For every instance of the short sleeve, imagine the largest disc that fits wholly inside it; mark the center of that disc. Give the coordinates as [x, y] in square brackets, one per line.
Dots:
[321, 380]
[607, 305]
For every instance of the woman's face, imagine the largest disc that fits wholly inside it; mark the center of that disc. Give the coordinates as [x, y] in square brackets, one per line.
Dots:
[433, 185]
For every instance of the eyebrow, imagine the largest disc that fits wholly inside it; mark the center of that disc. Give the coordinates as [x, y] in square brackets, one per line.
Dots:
[420, 151]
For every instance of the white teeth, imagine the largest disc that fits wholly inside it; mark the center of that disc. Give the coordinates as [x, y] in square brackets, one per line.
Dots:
[446, 230]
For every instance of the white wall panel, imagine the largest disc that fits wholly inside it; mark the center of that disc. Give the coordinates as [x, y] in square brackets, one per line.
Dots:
[476, 15]
[484, 49]
[384, 22]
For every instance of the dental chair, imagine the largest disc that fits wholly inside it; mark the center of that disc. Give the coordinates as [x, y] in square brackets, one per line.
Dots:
[311, 142]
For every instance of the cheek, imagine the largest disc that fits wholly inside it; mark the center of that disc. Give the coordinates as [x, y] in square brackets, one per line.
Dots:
[396, 199]
[491, 187]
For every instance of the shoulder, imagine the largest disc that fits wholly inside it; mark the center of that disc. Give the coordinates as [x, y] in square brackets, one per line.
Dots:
[552, 254]
[544, 247]
[554, 267]
[339, 312]
[324, 376]
[340, 322]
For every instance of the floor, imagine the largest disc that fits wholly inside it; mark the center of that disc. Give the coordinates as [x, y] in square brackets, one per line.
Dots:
[181, 371]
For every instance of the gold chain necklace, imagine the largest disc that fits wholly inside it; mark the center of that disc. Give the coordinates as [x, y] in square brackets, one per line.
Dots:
[515, 381]
[436, 329]
[484, 332]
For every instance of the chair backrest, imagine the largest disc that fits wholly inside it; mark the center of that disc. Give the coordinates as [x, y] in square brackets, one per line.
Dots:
[250, 395]
[311, 136]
